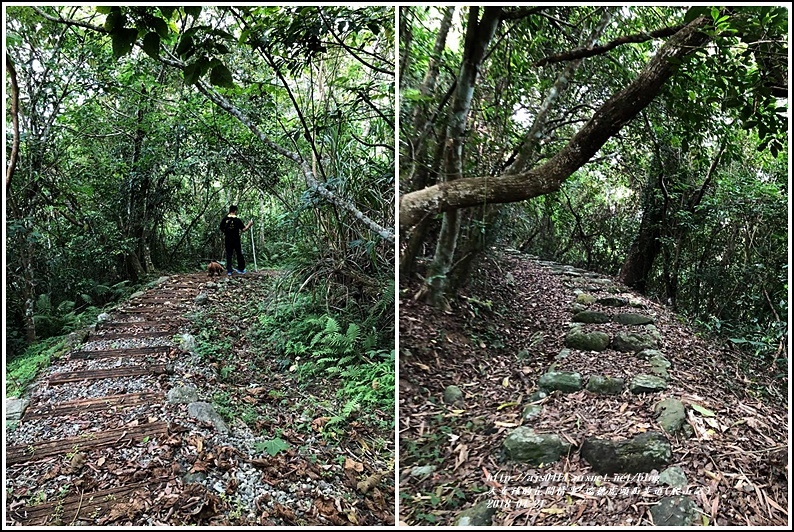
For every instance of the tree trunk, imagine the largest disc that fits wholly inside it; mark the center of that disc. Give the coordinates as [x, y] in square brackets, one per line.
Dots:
[644, 250]
[478, 35]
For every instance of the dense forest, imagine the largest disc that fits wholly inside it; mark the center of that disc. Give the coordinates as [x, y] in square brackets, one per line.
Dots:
[649, 143]
[131, 130]
[594, 265]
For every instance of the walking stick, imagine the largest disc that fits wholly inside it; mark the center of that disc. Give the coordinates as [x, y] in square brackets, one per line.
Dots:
[253, 250]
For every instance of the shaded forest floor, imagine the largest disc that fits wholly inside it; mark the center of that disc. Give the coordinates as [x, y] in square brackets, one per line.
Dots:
[173, 412]
[500, 338]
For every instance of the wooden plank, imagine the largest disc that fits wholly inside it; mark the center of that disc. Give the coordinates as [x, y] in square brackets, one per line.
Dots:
[84, 506]
[137, 334]
[95, 374]
[119, 353]
[93, 404]
[127, 324]
[16, 454]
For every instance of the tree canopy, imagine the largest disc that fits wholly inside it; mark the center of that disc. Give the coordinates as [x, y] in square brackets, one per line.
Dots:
[131, 129]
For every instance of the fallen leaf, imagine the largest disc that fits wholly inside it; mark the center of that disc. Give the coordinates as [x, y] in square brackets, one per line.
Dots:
[702, 410]
[370, 482]
[352, 464]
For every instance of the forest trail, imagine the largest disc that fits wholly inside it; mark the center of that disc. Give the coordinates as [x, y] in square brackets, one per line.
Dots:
[125, 429]
[554, 396]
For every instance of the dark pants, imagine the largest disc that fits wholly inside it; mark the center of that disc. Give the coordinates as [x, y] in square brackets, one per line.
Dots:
[231, 248]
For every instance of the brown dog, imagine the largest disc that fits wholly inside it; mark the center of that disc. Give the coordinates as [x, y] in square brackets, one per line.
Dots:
[214, 268]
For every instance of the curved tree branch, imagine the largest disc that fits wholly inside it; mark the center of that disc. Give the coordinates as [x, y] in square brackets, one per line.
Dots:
[590, 51]
[606, 122]
[12, 159]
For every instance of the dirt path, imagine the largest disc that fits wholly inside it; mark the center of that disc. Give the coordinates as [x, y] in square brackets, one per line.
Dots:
[125, 430]
[507, 418]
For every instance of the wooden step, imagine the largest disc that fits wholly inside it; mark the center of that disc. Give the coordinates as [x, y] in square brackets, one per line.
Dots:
[119, 353]
[16, 454]
[95, 374]
[137, 334]
[93, 404]
[83, 506]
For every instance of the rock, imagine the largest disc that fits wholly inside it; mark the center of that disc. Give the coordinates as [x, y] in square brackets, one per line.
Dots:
[523, 445]
[631, 318]
[137, 294]
[604, 385]
[659, 366]
[206, 412]
[653, 332]
[481, 514]
[612, 301]
[577, 307]
[641, 454]
[565, 381]
[585, 299]
[182, 394]
[636, 303]
[537, 395]
[210, 284]
[674, 511]
[15, 408]
[633, 342]
[509, 279]
[201, 299]
[531, 411]
[102, 318]
[647, 384]
[422, 471]
[194, 478]
[564, 353]
[188, 342]
[674, 477]
[646, 354]
[671, 415]
[522, 354]
[594, 341]
[591, 316]
[162, 279]
[453, 395]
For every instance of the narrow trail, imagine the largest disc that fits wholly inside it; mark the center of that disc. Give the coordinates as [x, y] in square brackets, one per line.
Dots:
[122, 430]
[555, 396]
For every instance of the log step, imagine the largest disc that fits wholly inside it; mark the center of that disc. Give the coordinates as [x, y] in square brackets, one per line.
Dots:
[119, 353]
[83, 506]
[93, 404]
[137, 334]
[16, 454]
[95, 374]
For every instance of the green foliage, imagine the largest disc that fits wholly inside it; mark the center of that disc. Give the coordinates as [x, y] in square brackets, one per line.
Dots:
[23, 369]
[271, 447]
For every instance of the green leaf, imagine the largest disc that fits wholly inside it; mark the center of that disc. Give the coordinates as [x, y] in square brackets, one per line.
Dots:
[123, 40]
[192, 72]
[161, 27]
[115, 20]
[167, 11]
[193, 11]
[272, 447]
[695, 12]
[702, 410]
[151, 44]
[103, 10]
[185, 46]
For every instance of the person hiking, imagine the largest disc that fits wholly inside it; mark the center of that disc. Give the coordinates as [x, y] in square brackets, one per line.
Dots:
[232, 227]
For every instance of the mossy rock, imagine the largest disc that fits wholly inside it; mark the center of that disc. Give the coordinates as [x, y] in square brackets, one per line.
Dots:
[647, 384]
[602, 385]
[524, 445]
[592, 316]
[594, 341]
[641, 454]
[564, 381]
[632, 318]
[585, 299]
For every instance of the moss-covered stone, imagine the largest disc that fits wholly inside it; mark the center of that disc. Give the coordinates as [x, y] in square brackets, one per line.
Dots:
[481, 514]
[602, 385]
[564, 381]
[612, 301]
[640, 454]
[524, 445]
[674, 511]
[647, 384]
[585, 299]
[592, 316]
[633, 341]
[631, 318]
[671, 415]
[453, 395]
[594, 341]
